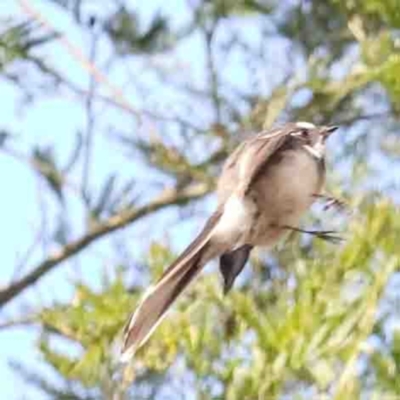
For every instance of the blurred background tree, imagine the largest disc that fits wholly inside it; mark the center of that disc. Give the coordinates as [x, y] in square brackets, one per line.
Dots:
[120, 117]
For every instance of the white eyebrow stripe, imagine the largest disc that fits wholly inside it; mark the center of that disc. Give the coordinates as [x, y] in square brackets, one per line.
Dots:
[305, 125]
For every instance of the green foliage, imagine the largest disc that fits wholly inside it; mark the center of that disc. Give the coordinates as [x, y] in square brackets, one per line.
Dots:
[44, 162]
[261, 341]
[124, 29]
[17, 40]
[387, 10]
[90, 322]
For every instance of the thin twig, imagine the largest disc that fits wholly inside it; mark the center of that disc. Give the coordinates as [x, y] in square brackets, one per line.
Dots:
[213, 75]
[15, 323]
[24, 258]
[151, 113]
[39, 166]
[90, 124]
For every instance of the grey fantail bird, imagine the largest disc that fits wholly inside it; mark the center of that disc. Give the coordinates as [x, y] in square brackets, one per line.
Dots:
[266, 185]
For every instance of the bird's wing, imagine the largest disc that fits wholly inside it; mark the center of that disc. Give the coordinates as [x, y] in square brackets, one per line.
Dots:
[257, 152]
[243, 165]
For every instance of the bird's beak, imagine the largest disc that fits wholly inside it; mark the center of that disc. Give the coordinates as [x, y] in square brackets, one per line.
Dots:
[328, 130]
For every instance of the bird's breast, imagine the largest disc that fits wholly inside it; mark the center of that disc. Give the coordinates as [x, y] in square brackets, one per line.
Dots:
[283, 191]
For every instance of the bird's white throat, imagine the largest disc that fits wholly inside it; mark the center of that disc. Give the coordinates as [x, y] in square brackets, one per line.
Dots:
[318, 150]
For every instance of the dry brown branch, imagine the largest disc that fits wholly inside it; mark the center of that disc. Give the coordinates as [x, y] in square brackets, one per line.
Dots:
[118, 221]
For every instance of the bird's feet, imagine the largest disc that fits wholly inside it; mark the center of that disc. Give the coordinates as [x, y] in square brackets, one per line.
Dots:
[331, 201]
[329, 236]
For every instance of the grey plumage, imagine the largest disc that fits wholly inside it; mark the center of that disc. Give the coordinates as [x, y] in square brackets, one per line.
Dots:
[266, 184]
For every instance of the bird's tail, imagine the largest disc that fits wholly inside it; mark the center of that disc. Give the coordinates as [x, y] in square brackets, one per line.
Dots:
[158, 299]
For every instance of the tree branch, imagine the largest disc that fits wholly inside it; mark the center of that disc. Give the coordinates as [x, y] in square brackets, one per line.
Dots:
[118, 221]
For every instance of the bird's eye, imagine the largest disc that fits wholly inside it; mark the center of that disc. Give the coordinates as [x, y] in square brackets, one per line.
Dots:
[304, 133]
[301, 133]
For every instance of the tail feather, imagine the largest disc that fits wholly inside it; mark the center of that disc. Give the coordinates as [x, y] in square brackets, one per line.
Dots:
[158, 299]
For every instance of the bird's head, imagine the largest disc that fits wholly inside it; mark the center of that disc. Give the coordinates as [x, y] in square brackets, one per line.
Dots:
[312, 137]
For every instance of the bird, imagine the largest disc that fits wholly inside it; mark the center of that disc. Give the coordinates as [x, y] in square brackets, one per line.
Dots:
[266, 185]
